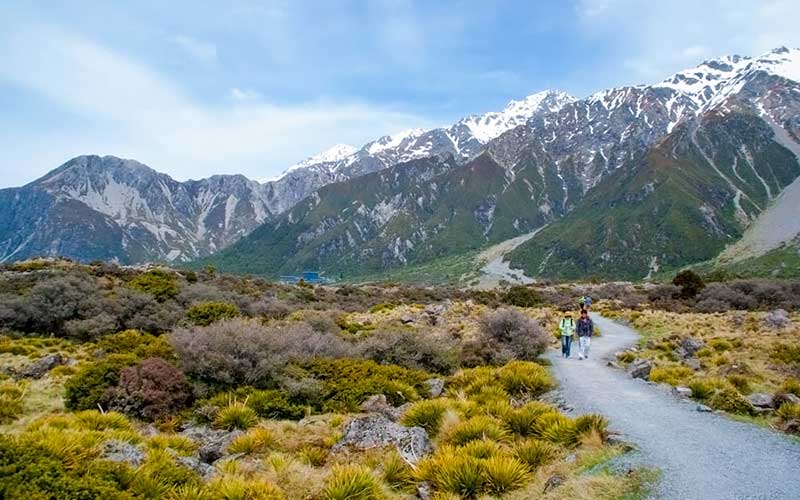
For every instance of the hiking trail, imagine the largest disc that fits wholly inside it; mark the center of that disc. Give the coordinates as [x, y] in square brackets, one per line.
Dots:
[702, 456]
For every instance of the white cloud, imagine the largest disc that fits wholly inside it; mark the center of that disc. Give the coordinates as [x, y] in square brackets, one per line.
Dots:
[135, 112]
[203, 52]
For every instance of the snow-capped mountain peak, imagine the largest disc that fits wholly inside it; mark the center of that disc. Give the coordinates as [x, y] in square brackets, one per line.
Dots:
[393, 140]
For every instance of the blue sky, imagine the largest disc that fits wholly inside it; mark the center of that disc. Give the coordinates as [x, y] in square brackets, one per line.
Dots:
[195, 88]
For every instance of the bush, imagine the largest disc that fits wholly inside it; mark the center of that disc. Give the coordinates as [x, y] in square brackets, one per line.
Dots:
[704, 388]
[522, 296]
[151, 390]
[86, 390]
[728, 399]
[791, 386]
[427, 414]
[236, 416]
[689, 282]
[418, 351]
[556, 428]
[592, 424]
[535, 453]
[134, 342]
[504, 335]
[786, 353]
[274, 404]
[159, 283]
[481, 448]
[205, 313]
[352, 482]
[504, 474]
[245, 352]
[453, 472]
[720, 345]
[789, 412]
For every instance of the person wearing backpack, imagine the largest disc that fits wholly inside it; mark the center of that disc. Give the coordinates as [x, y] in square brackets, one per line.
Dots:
[567, 328]
[585, 329]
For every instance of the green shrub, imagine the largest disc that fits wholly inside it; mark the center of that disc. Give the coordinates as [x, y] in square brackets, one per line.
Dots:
[705, 352]
[396, 472]
[427, 414]
[274, 404]
[87, 389]
[689, 282]
[672, 375]
[451, 472]
[237, 487]
[741, 382]
[786, 353]
[535, 452]
[789, 412]
[257, 440]
[236, 416]
[205, 313]
[352, 482]
[522, 296]
[728, 399]
[377, 308]
[592, 423]
[478, 427]
[720, 345]
[159, 283]
[481, 448]
[10, 408]
[136, 343]
[504, 474]
[704, 388]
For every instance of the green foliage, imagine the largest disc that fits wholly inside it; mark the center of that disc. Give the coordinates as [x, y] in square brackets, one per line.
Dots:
[535, 453]
[789, 411]
[741, 382]
[791, 386]
[556, 428]
[427, 414]
[11, 396]
[672, 375]
[378, 308]
[478, 427]
[720, 345]
[396, 472]
[592, 423]
[689, 282]
[236, 416]
[257, 440]
[136, 343]
[728, 399]
[274, 404]
[454, 472]
[522, 378]
[504, 474]
[522, 296]
[159, 283]
[87, 388]
[481, 448]
[704, 388]
[521, 421]
[352, 482]
[237, 487]
[786, 353]
[205, 313]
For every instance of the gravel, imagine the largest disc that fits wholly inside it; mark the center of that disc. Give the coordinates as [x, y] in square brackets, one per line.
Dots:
[701, 455]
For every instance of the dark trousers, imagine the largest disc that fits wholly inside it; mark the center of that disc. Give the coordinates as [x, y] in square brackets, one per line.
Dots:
[566, 344]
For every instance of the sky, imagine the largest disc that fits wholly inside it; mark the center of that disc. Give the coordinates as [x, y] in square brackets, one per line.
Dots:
[196, 88]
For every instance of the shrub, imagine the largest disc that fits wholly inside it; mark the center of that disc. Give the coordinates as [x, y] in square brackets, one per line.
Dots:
[728, 399]
[378, 308]
[151, 390]
[159, 283]
[352, 482]
[741, 382]
[522, 296]
[720, 345]
[142, 345]
[205, 313]
[427, 414]
[456, 473]
[703, 388]
[396, 472]
[274, 404]
[786, 353]
[789, 411]
[535, 453]
[236, 416]
[504, 474]
[672, 375]
[237, 487]
[689, 282]
[10, 408]
[481, 448]
[478, 427]
[410, 349]
[87, 389]
[507, 334]
[245, 352]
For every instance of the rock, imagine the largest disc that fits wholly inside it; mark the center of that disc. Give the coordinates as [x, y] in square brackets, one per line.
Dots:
[783, 398]
[778, 318]
[704, 409]
[213, 442]
[394, 413]
[433, 311]
[424, 490]
[41, 366]
[640, 368]
[553, 482]
[681, 353]
[406, 319]
[571, 458]
[693, 363]
[122, 451]
[613, 364]
[691, 345]
[682, 392]
[378, 404]
[376, 431]
[761, 400]
[435, 387]
[206, 471]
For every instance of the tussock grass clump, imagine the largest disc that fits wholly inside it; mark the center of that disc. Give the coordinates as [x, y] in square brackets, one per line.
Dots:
[522, 378]
[720, 345]
[352, 482]
[237, 487]
[314, 456]
[452, 472]
[791, 386]
[672, 375]
[741, 382]
[396, 472]
[504, 473]
[257, 440]
[535, 452]
[728, 399]
[11, 396]
[521, 420]
[704, 388]
[557, 428]
[789, 411]
[93, 420]
[181, 444]
[481, 448]
[478, 427]
[427, 414]
[236, 416]
[592, 423]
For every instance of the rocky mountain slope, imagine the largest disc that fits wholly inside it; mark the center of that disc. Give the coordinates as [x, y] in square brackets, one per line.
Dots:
[630, 180]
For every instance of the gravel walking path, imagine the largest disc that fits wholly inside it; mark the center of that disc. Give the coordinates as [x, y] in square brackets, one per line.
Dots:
[702, 456]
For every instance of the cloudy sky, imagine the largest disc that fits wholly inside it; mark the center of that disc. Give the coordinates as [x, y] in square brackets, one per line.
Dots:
[193, 88]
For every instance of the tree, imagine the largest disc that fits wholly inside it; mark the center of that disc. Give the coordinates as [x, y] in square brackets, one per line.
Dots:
[689, 282]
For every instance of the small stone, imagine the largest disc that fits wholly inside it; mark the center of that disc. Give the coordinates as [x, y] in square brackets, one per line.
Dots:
[435, 387]
[122, 451]
[683, 392]
[640, 368]
[424, 490]
[693, 363]
[571, 458]
[406, 319]
[553, 482]
[41, 366]
[761, 400]
[783, 398]
[691, 345]
[704, 409]
[213, 442]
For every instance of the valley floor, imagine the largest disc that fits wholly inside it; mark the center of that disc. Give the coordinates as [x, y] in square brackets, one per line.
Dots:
[702, 455]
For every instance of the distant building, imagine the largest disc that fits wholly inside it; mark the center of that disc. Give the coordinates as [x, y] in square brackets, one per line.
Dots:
[310, 277]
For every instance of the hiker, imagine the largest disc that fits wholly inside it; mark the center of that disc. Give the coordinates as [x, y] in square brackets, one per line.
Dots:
[587, 302]
[567, 327]
[585, 329]
[582, 303]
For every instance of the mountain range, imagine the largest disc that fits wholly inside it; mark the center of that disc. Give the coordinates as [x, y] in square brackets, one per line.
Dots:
[624, 183]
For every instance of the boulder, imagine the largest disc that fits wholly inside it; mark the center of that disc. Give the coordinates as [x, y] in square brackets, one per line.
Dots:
[778, 319]
[693, 363]
[682, 392]
[115, 450]
[406, 319]
[379, 404]
[41, 366]
[377, 431]
[691, 345]
[435, 387]
[785, 397]
[640, 368]
[203, 469]
[213, 442]
[761, 400]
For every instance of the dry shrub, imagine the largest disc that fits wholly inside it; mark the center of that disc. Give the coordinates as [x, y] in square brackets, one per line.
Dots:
[151, 390]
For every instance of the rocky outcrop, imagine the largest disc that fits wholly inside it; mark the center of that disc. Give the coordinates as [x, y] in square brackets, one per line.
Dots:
[376, 431]
[122, 451]
[777, 319]
[42, 366]
[213, 442]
